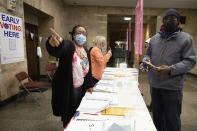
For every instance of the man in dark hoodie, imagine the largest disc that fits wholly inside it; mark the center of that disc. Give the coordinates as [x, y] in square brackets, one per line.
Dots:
[173, 54]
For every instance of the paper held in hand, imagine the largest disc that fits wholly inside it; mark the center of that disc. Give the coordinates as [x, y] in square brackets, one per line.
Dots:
[151, 65]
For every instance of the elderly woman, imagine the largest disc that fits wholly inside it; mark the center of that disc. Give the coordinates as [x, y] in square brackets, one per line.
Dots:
[73, 76]
[99, 57]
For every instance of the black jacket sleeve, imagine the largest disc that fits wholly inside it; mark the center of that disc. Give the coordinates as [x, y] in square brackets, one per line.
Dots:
[59, 51]
[88, 82]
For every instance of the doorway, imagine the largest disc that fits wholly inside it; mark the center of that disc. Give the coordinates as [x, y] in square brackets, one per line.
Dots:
[122, 42]
[37, 24]
[118, 36]
[31, 49]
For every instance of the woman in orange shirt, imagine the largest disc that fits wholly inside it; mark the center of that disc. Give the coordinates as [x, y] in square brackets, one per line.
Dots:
[99, 57]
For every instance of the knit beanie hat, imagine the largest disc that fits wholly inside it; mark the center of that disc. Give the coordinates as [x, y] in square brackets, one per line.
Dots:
[172, 12]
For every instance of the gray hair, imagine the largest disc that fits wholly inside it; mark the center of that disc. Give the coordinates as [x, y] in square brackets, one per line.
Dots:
[99, 40]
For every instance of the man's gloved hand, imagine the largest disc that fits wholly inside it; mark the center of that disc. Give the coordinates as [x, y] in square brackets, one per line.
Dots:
[164, 70]
[145, 66]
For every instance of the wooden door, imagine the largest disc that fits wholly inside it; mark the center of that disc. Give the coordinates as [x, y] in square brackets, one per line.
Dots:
[31, 49]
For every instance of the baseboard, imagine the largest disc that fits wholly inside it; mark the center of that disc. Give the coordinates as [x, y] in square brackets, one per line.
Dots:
[12, 99]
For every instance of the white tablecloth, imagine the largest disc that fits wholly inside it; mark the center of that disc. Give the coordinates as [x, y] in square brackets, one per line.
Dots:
[128, 95]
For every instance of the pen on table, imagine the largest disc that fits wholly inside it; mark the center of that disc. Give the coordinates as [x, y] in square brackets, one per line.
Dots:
[90, 113]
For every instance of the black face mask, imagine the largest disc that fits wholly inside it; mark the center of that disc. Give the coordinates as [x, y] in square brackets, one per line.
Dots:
[170, 24]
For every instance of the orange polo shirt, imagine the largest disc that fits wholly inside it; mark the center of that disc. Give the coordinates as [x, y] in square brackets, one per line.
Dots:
[98, 61]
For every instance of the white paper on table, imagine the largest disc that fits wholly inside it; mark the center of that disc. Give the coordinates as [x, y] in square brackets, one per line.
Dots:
[85, 125]
[106, 83]
[105, 88]
[103, 96]
[99, 96]
[114, 70]
[92, 106]
[86, 116]
[108, 77]
[121, 125]
[109, 73]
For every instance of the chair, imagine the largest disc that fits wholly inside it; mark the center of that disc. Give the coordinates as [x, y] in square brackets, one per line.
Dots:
[28, 85]
[50, 69]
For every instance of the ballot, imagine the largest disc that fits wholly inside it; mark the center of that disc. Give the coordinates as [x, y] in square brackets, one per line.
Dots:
[151, 65]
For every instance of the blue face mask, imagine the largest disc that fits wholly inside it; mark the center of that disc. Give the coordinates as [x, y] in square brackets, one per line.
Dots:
[80, 39]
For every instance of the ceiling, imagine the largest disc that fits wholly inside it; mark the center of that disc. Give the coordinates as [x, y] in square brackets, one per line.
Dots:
[116, 19]
[188, 4]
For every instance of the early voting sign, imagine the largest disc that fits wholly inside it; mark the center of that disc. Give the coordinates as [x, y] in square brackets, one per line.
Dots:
[11, 39]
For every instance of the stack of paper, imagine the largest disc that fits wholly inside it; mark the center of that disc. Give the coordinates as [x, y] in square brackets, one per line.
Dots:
[92, 106]
[120, 125]
[106, 82]
[121, 74]
[77, 125]
[104, 88]
[117, 127]
[99, 96]
[103, 96]
[108, 125]
[108, 77]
